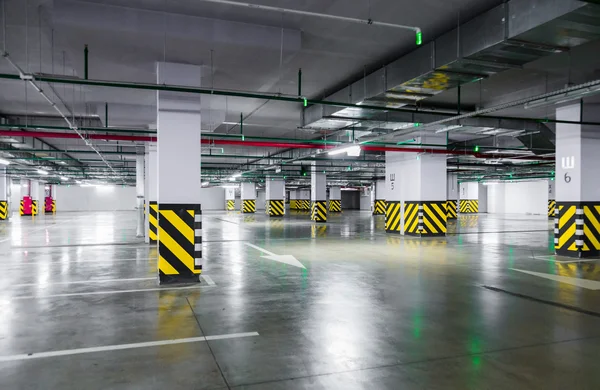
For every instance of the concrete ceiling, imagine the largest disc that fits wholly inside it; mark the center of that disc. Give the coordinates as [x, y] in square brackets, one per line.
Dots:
[242, 49]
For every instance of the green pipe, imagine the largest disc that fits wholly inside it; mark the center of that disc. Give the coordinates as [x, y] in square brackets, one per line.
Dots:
[85, 61]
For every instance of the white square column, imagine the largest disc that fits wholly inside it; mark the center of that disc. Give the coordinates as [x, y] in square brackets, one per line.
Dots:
[378, 197]
[179, 181]
[416, 191]
[248, 195]
[335, 199]
[230, 198]
[577, 211]
[318, 194]
[152, 195]
[4, 195]
[452, 195]
[275, 196]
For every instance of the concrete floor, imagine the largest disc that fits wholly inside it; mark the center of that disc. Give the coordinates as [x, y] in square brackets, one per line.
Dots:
[369, 311]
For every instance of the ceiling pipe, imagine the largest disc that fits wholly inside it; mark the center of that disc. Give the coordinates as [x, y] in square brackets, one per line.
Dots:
[280, 10]
[264, 144]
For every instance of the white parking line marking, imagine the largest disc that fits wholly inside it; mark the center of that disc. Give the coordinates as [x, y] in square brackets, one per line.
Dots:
[43, 284]
[118, 347]
[107, 292]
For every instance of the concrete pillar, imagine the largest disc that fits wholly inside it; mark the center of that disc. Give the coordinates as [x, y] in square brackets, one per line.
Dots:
[248, 194]
[146, 194]
[35, 196]
[179, 177]
[152, 193]
[416, 191]
[4, 195]
[577, 223]
[275, 196]
[335, 199]
[230, 198]
[139, 191]
[551, 197]
[318, 194]
[451, 195]
[469, 198]
[379, 198]
[293, 200]
[303, 200]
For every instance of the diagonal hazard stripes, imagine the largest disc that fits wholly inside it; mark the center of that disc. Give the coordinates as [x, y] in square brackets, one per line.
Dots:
[319, 211]
[451, 209]
[551, 207]
[249, 206]
[379, 208]
[434, 219]
[565, 228]
[335, 205]
[276, 208]
[411, 218]
[230, 205]
[3, 210]
[469, 206]
[392, 217]
[179, 243]
[153, 223]
[591, 229]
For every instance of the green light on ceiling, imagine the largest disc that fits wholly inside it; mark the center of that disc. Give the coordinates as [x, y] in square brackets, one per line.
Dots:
[305, 102]
[243, 138]
[419, 38]
[476, 148]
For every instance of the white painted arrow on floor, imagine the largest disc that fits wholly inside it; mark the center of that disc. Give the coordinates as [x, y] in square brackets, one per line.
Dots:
[286, 259]
[585, 283]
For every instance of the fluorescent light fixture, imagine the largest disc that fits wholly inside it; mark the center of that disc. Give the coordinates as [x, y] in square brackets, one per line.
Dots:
[563, 97]
[4, 162]
[204, 183]
[42, 172]
[353, 150]
[236, 175]
[229, 186]
[64, 178]
[232, 178]
[448, 128]
[78, 182]
[62, 162]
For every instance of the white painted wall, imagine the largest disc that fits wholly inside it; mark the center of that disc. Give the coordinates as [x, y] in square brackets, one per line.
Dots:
[483, 198]
[365, 202]
[110, 198]
[261, 200]
[529, 197]
[212, 198]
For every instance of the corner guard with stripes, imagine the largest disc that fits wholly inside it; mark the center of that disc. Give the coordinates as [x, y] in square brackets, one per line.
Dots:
[551, 207]
[577, 229]
[468, 206]
[421, 218]
[451, 210]
[276, 208]
[179, 243]
[319, 211]
[249, 206]
[3, 210]
[230, 205]
[153, 222]
[335, 206]
[379, 207]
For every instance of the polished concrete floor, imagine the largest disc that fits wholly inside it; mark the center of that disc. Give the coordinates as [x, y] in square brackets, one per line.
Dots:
[354, 308]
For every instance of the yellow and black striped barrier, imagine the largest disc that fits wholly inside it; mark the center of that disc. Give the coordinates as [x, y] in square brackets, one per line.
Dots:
[34, 207]
[335, 206]
[179, 243]
[392, 217]
[3, 210]
[551, 207]
[153, 222]
[230, 205]
[433, 221]
[451, 209]
[22, 208]
[411, 218]
[276, 208]
[293, 204]
[469, 206]
[591, 229]
[303, 204]
[379, 207]
[319, 211]
[248, 206]
[565, 229]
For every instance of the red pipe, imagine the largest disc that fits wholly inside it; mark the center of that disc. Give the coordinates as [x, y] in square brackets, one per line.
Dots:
[263, 144]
